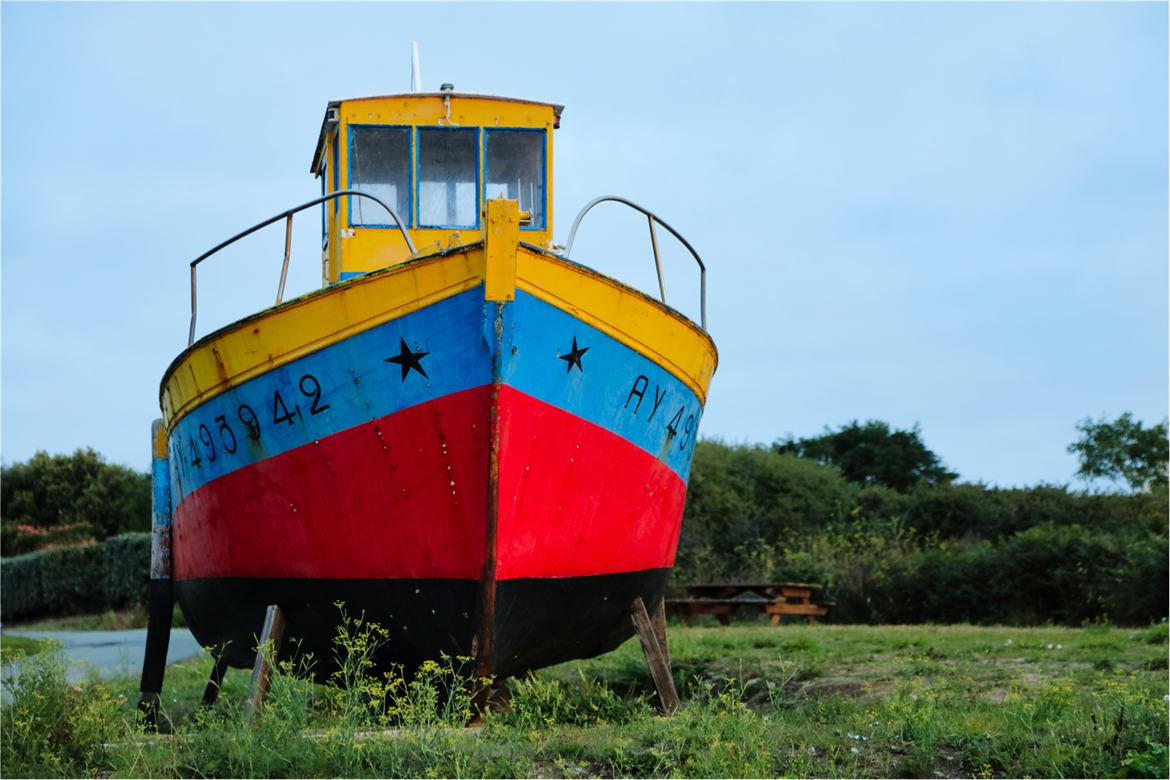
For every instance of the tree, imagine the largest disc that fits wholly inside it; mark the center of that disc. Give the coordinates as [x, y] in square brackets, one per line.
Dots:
[51, 491]
[873, 454]
[1122, 450]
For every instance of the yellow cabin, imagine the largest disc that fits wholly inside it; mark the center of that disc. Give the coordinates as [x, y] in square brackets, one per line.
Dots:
[431, 159]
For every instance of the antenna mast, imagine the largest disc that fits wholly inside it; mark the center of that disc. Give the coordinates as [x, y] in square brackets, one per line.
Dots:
[415, 69]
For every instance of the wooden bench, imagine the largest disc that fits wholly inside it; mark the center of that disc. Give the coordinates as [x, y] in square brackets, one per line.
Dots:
[774, 598]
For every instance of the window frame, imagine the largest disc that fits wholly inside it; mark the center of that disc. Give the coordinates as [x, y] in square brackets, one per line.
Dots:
[412, 219]
[543, 165]
[477, 179]
[412, 188]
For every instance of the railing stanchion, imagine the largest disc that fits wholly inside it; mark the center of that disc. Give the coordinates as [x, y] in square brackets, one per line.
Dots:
[657, 262]
[191, 333]
[703, 296]
[652, 218]
[287, 249]
[287, 243]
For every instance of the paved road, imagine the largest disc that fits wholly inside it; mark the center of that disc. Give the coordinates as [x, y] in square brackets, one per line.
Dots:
[111, 653]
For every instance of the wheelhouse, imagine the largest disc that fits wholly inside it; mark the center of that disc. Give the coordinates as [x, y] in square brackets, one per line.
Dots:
[432, 159]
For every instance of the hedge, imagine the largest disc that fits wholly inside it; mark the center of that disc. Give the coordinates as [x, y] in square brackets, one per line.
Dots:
[70, 580]
[940, 553]
[1066, 574]
[20, 586]
[73, 579]
[127, 570]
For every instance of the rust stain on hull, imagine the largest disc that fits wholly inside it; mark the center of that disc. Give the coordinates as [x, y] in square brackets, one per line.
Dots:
[485, 638]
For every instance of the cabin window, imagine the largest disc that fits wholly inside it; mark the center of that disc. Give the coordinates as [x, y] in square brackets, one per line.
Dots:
[447, 175]
[514, 166]
[379, 164]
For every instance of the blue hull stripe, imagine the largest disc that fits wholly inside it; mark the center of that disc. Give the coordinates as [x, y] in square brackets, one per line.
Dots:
[383, 370]
[615, 387]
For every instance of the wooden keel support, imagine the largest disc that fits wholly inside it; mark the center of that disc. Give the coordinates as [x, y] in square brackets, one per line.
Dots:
[271, 639]
[652, 635]
[659, 623]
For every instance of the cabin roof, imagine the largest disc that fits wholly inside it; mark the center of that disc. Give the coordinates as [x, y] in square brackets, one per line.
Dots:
[314, 166]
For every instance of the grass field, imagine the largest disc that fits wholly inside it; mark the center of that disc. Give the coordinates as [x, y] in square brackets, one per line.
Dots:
[110, 620]
[14, 647]
[758, 701]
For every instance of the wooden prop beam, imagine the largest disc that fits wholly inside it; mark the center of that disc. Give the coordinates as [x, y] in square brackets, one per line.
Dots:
[271, 640]
[652, 635]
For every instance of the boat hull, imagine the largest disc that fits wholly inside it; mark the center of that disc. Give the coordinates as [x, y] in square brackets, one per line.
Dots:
[425, 617]
[488, 478]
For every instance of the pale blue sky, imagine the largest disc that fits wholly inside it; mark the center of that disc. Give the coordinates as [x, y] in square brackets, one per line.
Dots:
[946, 214]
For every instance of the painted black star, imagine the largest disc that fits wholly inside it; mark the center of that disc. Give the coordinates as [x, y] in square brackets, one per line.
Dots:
[574, 357]
[408, 359]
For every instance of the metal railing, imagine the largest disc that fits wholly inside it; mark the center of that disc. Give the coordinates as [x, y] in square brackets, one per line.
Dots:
[285, 215]
[651, 218]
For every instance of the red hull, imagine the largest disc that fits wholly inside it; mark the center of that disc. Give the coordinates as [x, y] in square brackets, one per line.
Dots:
[505, 502]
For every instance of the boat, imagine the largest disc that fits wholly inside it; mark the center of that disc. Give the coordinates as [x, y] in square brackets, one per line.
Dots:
[464, 436]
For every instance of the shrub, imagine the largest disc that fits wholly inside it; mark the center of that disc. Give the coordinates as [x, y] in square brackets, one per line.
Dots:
[941, 552]
[948, 581]
[20, 587]
[879, 505]
[21, 539]
[55, 490]
[865, 570]
[954, 511]
[90, 578]
[1030, 507]
[13, 542]
[1139, 584]
[127, 570]
[1050, 573]
[52, 728]
[739, 494]
[1069, 574]
[73, 579]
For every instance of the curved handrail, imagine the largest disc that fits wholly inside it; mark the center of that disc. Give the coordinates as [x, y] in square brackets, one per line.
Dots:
[651, 218]
[287, 243]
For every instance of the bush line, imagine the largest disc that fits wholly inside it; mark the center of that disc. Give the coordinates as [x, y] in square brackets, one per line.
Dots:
[114, 574]
[943, 553]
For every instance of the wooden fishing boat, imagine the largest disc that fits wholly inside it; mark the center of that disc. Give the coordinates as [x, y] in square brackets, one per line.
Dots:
[464, 435]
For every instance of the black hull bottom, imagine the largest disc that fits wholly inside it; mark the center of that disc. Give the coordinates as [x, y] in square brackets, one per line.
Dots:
[538, 622]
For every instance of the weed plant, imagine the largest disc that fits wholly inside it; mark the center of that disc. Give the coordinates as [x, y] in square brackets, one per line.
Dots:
[758, 701]
[51, 728]
[13, 648]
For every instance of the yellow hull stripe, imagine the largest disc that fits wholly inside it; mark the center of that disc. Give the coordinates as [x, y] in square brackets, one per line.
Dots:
[280, 335]
[645, 326]
[277, 336]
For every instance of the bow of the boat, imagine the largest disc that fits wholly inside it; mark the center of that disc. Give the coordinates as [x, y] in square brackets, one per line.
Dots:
[472, 456]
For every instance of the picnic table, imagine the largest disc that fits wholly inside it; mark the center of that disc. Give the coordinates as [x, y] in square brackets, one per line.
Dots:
[723, 599]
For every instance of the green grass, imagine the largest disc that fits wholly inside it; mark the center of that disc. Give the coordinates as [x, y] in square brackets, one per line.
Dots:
[110, 620]
[758, 701]
[13, 648]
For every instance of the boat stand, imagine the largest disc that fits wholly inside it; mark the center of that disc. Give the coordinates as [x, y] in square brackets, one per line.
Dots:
[652, 635]
[161, 596]
[270, 642]
[154, 662]
[267, 651]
